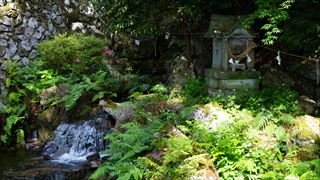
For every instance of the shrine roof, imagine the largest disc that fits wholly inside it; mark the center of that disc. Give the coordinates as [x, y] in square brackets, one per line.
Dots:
[224, 24]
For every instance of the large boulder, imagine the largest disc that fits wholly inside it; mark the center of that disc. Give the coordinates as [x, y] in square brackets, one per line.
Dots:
[121, 112]
[306, 135]
[181, 70]
[46, 122]
[211, 116]
[275, 78]
[307, 104]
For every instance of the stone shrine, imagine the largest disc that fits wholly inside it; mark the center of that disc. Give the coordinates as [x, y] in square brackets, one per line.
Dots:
[232, 55]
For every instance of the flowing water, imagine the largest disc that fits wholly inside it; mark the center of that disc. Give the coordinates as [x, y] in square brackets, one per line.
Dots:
[65, 157]
[74, 142]
[10, 159]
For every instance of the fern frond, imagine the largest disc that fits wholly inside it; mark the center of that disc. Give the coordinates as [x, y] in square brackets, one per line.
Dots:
[302, 168]
[198, 159]
[262, 119]
[286, 119]
[99, 173]
[245, 165]
[316, 164]
[144, 162]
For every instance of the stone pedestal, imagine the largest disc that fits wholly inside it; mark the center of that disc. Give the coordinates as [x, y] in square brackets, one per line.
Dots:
[231, 79]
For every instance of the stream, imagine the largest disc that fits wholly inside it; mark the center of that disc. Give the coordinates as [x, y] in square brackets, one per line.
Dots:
[73, 153]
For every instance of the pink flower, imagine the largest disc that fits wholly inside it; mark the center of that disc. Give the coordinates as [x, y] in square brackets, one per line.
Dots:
[77, 60]
[107, 51]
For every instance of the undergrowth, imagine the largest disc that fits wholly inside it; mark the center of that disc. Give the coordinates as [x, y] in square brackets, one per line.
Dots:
[71, 71]
[252, 144]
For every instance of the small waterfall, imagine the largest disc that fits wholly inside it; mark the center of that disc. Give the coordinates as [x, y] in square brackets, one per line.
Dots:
[72, 143]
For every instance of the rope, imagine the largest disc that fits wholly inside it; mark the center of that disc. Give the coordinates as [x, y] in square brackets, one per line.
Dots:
[312, 60]
[250, 46]
[290, 54]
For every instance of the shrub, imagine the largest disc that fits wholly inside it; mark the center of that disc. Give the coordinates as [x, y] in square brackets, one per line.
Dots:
[276, 100]
[78, 54]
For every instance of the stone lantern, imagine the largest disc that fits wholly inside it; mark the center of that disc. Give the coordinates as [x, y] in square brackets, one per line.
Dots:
[232, 55]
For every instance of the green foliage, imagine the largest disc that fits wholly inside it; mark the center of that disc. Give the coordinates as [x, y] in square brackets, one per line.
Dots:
[235, 148]
[275, 12]
[125, 147]
[276, 100]
[146, 17]
[306, 43]
[159, 88]
[178, 148]
[78, 54]
[277, 21]
[75, 61]
[263, 118]
[194, 88]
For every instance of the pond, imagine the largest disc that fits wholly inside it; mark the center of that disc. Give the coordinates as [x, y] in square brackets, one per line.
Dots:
[10, 159]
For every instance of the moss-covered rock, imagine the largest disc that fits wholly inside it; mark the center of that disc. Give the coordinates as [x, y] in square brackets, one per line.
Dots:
[306, 135]
[181, 70]
[121, 112]
[46, 122]
[308, 127]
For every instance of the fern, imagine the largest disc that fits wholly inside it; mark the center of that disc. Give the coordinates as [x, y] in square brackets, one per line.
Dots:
[316, 164]
[245, 165]
[74, 94]
[302, 168]
[270, 175]
[144, 162]
[178, 148]
[286, 119]
[263, 118]
[309, 175]
[125, 148]
[100, 172]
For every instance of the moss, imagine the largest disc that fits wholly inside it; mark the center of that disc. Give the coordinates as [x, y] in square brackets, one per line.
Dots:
[307, 153]
[21, 6]
[47, 119]
[7, 10]
[306, 127]
[45, 135]
[1, 14]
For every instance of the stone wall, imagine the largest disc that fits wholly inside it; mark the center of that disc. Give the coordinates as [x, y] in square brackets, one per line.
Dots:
[25, 23]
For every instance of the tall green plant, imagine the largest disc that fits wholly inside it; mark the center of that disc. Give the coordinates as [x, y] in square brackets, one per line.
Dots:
[23, 85]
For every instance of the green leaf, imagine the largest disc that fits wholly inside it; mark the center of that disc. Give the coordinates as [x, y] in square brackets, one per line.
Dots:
[11, 120]
[8, 82]
[4, 138]
[20, 136]
[99, 95]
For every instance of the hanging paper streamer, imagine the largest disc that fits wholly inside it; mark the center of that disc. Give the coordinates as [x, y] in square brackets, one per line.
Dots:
[278, 58]
[137, 42]
[167, 36]
[248, 58]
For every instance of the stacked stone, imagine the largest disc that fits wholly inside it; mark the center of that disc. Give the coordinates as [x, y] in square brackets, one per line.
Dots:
[23, 25]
